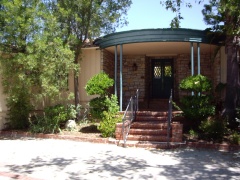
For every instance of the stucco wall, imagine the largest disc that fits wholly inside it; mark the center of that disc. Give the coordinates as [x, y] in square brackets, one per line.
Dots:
[90, 65]
[3, 108]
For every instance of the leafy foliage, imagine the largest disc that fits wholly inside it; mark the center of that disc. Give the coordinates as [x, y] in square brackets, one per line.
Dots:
[41, 41]
[235, 138]
[109, 117]
[103, 107]
[197, 84]
[213, 129]
[224, 17]
[34, 60]
[52, 119]
[82, 20]
[18, 113]
[99, 84]
[199, 106]
[97, 106]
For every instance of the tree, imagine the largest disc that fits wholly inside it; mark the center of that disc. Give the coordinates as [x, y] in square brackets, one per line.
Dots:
[83, 20]
[41, 41]
[224, 16]
[34, 60]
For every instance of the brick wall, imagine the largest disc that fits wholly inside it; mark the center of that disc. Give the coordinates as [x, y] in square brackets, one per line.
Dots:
[133, 79]
[140, 78]
[107, 65]
[183, 69]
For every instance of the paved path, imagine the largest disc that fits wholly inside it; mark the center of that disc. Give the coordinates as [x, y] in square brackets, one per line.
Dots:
[47, 159]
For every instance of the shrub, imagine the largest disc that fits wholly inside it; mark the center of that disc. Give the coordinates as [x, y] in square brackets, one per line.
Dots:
[109, 117]
[53, 116]
[98, 85]
[19, 109]
[197, 84]
[97, 106]
[193, 134]
[198, 106]
[103, 107]
[107, 126]
[235, 138]
[213, 129]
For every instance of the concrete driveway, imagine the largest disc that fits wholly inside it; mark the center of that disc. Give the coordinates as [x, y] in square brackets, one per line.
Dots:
[48, 159]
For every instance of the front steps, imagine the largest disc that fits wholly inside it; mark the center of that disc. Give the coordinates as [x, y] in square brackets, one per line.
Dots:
[150, 128]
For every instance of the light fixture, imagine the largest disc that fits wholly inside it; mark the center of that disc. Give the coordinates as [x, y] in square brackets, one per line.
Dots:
[134, 67]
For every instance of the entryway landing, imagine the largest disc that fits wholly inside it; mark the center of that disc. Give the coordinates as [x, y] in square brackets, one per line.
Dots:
[155, 105]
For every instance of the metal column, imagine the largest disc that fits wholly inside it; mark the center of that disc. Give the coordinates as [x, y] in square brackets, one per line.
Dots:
[115, 71]
[192, 62]
[199, 65]
[121, 60]
[192, 59]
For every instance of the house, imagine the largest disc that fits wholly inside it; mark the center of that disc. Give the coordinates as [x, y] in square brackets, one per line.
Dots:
[151, 60]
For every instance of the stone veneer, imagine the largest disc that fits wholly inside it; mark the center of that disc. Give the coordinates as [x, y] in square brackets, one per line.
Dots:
[140, 78]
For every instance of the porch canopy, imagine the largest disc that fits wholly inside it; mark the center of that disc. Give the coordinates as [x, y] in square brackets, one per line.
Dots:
[156, 42]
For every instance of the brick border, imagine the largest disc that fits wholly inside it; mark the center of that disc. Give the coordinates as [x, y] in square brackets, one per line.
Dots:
[196, 145]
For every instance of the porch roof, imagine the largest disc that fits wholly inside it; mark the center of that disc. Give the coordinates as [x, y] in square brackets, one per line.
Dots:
[153, 42]
[154, 35]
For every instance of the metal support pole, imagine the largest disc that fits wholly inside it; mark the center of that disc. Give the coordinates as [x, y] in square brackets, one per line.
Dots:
[115, 71]
[199, 65]
[121, 60]
[192, 59]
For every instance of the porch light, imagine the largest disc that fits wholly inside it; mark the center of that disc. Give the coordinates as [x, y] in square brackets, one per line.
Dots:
[134, 67]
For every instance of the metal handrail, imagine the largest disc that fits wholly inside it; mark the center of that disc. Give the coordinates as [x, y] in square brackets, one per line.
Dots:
[129, 115]
[169, 120]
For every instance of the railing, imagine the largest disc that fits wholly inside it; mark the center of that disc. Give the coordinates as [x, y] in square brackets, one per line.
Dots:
[169, 120]
[129, 115]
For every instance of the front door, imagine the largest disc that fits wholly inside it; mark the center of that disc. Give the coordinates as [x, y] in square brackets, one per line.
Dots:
[162, 78]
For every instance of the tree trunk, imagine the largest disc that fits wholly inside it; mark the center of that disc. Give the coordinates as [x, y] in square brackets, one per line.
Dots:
[76, 83]
[232, 88]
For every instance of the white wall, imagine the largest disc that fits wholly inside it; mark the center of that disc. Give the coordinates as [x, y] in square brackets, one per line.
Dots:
[90, 65]
[3, 107]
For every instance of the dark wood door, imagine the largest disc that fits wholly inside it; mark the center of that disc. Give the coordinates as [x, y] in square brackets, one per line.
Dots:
[162, 78]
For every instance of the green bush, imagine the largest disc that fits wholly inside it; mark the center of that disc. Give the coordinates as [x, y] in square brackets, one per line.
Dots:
[53, 116]
[99, 84]
[97, 106]
[213, 129]
[196, 84]
[103, 107]
[110, 117]
[198, 106]
[235, 138]
[107, 126]
[19, 109]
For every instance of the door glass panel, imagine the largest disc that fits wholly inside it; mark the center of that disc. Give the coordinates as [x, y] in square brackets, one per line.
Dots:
[168, 71]
[157, 70]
